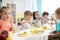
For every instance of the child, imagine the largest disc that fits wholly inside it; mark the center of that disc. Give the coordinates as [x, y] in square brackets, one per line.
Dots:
[26, 22]
[56, 36]
[36, 19]
[5, 22]
[45, 17]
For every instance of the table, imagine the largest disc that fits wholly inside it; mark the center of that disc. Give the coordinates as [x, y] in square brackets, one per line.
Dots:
[43, 36]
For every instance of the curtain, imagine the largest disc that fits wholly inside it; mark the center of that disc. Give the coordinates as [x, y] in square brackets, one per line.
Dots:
[37, 6]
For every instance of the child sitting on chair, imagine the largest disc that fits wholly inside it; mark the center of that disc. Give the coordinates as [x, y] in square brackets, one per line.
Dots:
[6, 20]
[56, 36]
[26, 22]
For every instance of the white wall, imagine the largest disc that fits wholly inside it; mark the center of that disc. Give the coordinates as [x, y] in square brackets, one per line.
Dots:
[28, 5]
[20, 6]
[23, 5]
[50, 5]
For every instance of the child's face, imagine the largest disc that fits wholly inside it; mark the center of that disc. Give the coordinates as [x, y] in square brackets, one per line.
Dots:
[37, 15]
[46, 16]
[6, 13]
[58, 16]
[28, 17]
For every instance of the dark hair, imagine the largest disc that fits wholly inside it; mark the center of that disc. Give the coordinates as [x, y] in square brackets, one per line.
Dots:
[57, 11]
[4, 7]
[27, 13]
[45, 13]
[34, 14]
[0, 11]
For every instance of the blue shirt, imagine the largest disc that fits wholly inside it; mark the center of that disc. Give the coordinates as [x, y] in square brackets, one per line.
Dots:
[58, 26]
[39, 22]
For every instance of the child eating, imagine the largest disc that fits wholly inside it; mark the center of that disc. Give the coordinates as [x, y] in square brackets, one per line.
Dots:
[26, 22]
[56, 36]
[5, 21]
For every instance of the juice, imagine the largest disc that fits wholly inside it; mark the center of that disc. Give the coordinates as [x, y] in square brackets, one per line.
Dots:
[44, 28]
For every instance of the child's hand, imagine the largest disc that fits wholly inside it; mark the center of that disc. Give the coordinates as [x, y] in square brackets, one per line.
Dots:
[55, 35]
[23, 22]
[50, 36]
[58, 33]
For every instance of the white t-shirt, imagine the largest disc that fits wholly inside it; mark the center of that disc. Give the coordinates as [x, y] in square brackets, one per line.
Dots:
[26, 25]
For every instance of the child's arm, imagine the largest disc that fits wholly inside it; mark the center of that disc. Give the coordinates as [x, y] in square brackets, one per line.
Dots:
[42, 20]
[12, 28]
[22, 22]
[55, 35]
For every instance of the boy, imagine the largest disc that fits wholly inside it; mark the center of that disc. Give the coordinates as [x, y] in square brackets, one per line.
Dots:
[56, 36]
[26, 22]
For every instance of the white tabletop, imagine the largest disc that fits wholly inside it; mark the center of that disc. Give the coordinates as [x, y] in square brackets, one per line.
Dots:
[43, 36]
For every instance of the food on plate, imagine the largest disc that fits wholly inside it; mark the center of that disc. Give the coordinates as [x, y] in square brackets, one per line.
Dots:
[36, 26]
[44, 27]
[23, 34]
[35, 31]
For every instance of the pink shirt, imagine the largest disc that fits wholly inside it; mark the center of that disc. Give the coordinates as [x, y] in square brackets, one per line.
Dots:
[5, 25]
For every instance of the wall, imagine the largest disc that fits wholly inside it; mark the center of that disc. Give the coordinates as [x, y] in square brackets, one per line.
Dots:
[22, 6]
[37, 6]
[50, 5]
